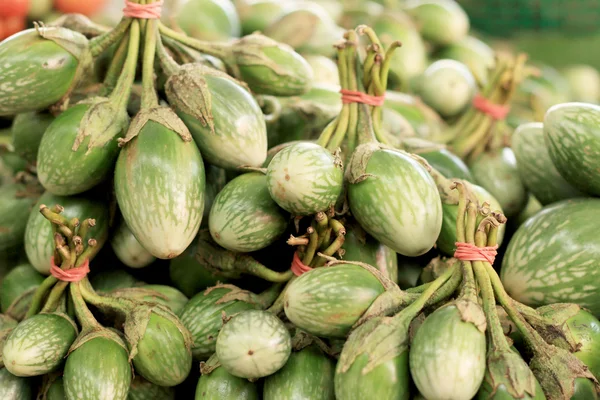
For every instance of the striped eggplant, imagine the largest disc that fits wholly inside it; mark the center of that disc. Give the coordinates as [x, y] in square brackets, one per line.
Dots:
[203, 315]
[472, 52]
[98, 368]
[141, 389]
[448, 164]
[221, 385]
[56, 390]
[163, 213]
[359, 246]
[441, 22]
[14, 387]
[536, 169]
[328, 301]
[169, 297]
[447, 238]
[27, 131]
[395, 200]
[572, 135]
[308, 374]
[374, 361]
[554, 257]
[253, 344]
[189, 275]
[127, 248]
[7, 324]
[447, 356]
[270, 67]
[211, 20]
[305, 178]
[38, 344]
[497, 173]
[244, 217]
[39, 241]
[225, 120]
[15, 202]
[159, 345]
[17, 289]
[38, 67]
[113, 279]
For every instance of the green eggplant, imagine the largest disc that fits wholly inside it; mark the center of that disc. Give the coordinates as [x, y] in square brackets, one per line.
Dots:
[17, 289]
[211, 20]
[27, 132]
[221, 385]
[189, 275]
[16, 201]
[14, 387]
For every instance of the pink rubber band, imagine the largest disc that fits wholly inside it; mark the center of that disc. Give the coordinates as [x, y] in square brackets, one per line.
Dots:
[350, 96]
[298, 268]
[470, 252]
[143, 11]
[496, 111]
[70, 275]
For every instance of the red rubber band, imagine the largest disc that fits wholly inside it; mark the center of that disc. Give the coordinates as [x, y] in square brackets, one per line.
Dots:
[298, 268]
[143, 11]
[470, 252]
[350, 96]
[496, 111]
[70, 275]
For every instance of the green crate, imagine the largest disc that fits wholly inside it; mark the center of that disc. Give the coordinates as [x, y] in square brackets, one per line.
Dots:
[505, 18]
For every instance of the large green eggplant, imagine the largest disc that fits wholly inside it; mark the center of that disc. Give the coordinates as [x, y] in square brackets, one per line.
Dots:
[328, 301]
[208, 19]
[442, 22]
[554, 257]
[38, 345]
[447, 356]
[14, 387]
[447, 239]
[98, 368]
[536, 168]
[189, 275]
[244, 217]
[270, 67]
[39, 67]
[15, 203]
[142, 389]
[396, 201]
[497, 173]
[27, 132]
[448, 164]
[225, 120]
[360, 246]
[159, 184]
[253, 344]
[305, 178]
[221, 385]
[572, 134]
[39, 240]
[128, 250]
[203, 315]
[78, 150]
[308, 374]
[17, 289]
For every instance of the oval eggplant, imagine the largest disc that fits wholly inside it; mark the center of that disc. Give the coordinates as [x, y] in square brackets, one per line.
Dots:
[17, 289]
[244, 217]
[56, 391]
[190, 276]
[328, 301]
[398, 203]
[308, 374]
[14, 387]
[128, 250]
[15, 203]
[305, 178]
[253, 344]
[27, 131]
[221, 385]
[474, 53]
[361, 247]
[448, 164]
[256, 15]
[141, 389]
[39, 241]
[38, 344]
[172, 298]
[109, 280]
[213, 20]
[163, 213]
[442, 22]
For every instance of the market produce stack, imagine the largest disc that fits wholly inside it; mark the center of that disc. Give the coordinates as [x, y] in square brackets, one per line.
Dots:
[328, 210]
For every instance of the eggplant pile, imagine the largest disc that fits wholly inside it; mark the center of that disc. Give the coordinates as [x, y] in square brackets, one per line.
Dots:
[339, 207]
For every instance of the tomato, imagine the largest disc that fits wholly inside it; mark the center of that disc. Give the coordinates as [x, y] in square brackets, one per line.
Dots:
[87, 7]
[14, 8]
[11, 25]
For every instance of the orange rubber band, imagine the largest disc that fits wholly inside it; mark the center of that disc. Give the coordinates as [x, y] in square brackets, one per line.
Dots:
[350, 96]
[143, 11]
[70, 275]
[496, 111]
[470, 252]
[298, 267]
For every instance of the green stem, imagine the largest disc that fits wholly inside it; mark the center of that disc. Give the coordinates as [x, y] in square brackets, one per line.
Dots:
[100, 43]
[149, 97]
[337, 244]
[103, 302]
[54, 297]
[218, 50]
[267, 297]
[83, 313]
[123, 86]
[116, 66]
[167, 63]
[251, 266]
[38, 296]
[85, 227]
[277, 306]
[313, 242]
